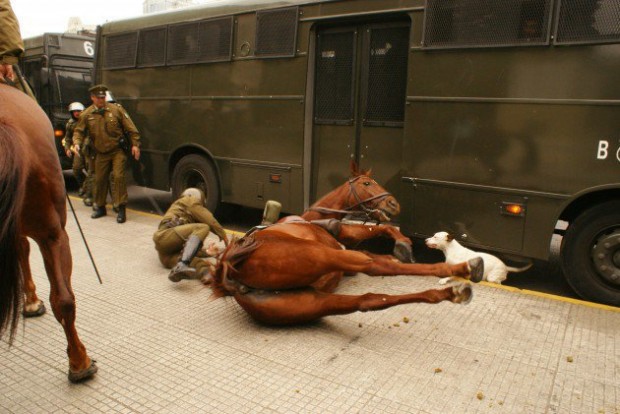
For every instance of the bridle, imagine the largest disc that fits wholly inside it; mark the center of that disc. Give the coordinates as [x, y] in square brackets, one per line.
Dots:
[362, 204]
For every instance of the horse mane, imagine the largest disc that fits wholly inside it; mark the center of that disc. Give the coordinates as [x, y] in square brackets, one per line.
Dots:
[236, 252]
[11, 201]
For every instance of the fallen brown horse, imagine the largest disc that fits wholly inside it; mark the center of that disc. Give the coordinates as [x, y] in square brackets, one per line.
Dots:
[288, 272]
[32, 204]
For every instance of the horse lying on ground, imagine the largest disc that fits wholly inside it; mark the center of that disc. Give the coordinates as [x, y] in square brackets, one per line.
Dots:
[287, 273]
[32, 204]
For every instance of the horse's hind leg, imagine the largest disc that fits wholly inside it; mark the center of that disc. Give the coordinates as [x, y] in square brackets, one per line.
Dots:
[306, 305]
[57, 257]
[32, 305]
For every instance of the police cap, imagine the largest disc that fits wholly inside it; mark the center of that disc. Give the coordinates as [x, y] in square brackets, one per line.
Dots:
[98, 90]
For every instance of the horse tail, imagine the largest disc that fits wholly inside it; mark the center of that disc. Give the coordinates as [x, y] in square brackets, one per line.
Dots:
[237, 251]
[11, 200]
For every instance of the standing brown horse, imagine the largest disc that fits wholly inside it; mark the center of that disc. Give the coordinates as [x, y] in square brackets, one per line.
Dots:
[287, 273]
[361, 197]
[32, 204]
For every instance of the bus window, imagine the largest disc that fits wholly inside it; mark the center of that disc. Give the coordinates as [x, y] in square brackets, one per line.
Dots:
[72, 87]
[486, 23]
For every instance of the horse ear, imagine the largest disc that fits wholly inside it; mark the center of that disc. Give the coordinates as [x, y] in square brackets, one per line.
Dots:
[368, 172]
[354, 169]
[450, 237]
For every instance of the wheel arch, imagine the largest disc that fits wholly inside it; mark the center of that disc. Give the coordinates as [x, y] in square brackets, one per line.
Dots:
[194, 149]
[583, 201]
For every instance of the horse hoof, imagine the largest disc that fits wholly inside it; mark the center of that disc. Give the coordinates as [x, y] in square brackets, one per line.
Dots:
[476, 269]
[84, 374]
[462, 293]
[403, 252]
[33, 312]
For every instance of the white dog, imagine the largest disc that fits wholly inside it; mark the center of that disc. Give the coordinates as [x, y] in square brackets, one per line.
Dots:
[495, 270]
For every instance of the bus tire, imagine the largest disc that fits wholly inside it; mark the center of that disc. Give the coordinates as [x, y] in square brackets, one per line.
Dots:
[196, 171]
[590, 254]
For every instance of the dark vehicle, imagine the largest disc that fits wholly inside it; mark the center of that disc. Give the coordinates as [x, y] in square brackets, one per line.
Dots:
[59, 70]
[496, 121]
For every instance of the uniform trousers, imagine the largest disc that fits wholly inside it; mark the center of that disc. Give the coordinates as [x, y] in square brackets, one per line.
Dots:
[169, 244]
[104, 163]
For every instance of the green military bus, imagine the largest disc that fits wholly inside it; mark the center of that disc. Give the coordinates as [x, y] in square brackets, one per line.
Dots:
[59, 67]
[496, 121]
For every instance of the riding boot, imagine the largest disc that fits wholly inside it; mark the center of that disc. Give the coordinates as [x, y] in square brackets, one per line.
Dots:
[122, 216]
[182, 270]
[88, 201]
[98, 212]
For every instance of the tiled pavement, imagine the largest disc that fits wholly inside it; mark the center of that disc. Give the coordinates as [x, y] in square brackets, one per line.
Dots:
[167, 348]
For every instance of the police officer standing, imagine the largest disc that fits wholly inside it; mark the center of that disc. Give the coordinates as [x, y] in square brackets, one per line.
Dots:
[108, 125]
[75, 109]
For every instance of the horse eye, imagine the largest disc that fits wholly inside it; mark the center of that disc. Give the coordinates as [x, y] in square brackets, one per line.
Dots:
[366, 183]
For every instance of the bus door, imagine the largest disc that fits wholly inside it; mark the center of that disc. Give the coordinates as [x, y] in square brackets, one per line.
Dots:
[359, 103]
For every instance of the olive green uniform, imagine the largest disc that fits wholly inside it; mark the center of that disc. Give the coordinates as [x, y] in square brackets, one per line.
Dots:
[105, 127]
[78, 159]
[11, 43]
[185, 217]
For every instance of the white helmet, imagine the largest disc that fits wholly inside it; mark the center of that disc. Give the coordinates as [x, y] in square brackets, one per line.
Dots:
[76, 106]
[109, 97]
[194, 193]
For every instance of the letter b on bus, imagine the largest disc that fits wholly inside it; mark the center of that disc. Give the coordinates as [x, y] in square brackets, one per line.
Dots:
[603, 150]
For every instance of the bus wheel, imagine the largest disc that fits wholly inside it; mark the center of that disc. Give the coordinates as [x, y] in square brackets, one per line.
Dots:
[591, 254]
[196, 171]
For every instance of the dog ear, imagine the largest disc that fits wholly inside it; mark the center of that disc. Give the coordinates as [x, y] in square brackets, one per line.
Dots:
[450, 237]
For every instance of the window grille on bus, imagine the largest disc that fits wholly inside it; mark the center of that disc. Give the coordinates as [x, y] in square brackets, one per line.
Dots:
[152, 47]
[120, 51]
[486, 23]
[276, 32]
[387, 76]
[334, 78]
[588, 21]
[197, 42]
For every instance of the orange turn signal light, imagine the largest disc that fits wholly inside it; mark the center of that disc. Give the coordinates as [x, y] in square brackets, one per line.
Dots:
[59, 133]
[513, 209]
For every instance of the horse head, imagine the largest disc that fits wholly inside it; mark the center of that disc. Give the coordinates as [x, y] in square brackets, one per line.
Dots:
[359, 196]
[367, 196]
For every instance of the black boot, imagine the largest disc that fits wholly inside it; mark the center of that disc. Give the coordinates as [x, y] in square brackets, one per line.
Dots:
[98, 212]
[121, 217]
[182, 269]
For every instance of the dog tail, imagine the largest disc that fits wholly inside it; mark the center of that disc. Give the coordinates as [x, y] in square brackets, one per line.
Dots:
[518, 269]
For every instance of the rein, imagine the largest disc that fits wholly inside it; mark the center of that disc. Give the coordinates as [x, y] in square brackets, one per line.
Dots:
[351, 209]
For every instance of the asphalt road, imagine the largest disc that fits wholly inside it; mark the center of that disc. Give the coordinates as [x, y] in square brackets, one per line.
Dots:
[543, 277]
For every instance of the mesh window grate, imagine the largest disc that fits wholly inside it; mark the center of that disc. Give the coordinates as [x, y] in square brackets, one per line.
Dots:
[152, 47]
[215, 40]
[387, 76]
[183, 43]
[588, 21]
[206, 41]
[334, 78]
[276, 32]
[120, 51]
[479, 23]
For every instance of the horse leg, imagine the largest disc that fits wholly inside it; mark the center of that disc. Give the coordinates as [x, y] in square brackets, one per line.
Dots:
[352, 234]
[354, 261]
[32, 305]
[307, 305]
[58, 266]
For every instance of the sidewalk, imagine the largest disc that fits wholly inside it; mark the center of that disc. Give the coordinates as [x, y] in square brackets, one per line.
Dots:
[167, 348]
